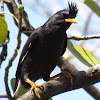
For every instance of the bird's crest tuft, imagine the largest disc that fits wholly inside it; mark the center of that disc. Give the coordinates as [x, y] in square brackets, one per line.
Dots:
[72, 8]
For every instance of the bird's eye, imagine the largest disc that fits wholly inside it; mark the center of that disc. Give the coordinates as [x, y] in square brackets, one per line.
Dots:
[61, 15]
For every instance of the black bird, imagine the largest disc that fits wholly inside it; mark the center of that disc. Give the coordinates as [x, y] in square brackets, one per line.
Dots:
[43, 49]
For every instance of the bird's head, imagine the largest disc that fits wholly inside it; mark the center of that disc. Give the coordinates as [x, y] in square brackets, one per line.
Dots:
[65, 17]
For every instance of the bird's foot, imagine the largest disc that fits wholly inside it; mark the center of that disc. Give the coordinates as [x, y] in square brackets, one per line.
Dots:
[34, 86]
[64, 73]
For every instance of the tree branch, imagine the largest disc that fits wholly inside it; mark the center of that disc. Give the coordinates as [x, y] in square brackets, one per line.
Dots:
[93, 91]
[60, 85]
[66, 66]
[83, 37]
[26, 26]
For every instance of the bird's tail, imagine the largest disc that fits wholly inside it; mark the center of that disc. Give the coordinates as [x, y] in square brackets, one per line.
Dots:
[19, 90]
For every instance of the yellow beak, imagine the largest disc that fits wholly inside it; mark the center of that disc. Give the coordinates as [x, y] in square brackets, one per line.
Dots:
[73, 20]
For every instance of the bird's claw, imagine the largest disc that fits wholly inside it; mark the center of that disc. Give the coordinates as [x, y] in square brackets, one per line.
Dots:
[69, 76]
[34, 86]
[64, 73]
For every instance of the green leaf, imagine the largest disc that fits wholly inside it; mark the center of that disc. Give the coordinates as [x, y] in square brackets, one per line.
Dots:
[3, 30]
[84, 55]
[13, 83]
[93, 6]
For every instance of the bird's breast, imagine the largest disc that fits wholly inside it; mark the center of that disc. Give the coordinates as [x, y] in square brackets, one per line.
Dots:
[53, 44]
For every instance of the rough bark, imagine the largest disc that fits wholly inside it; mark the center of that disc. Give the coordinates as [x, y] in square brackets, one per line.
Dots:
[80, 80]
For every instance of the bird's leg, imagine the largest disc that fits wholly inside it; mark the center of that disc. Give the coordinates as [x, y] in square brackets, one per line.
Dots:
[34, 86]
[67, 74]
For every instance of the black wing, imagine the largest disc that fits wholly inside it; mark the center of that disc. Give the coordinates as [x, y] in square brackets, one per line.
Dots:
[65, 45]
[30, 44]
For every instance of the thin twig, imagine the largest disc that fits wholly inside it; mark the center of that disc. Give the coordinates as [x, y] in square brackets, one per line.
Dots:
[20, 1]
[6, 78]
[3, 54]
[2, 7]
[2, 13]
[86, 26]
[6, 41]
[13, 57]
[3, 96]
[83, 37]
